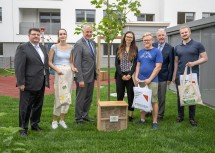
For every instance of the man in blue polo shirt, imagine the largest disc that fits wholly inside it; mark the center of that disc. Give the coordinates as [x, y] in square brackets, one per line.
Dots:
[188, 53]
[149, 62]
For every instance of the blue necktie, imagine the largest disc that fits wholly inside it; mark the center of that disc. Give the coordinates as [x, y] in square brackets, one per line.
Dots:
[160, 47]
[91, 49]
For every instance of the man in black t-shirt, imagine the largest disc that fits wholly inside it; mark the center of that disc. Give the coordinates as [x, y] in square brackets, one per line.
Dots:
[188, 53]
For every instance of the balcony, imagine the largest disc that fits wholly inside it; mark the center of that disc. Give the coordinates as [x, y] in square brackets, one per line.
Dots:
[50, 28]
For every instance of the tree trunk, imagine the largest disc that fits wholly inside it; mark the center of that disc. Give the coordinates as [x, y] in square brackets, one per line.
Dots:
[109, 49]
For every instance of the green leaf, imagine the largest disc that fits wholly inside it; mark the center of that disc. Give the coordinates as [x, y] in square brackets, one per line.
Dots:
[19, 144]
[19, 149]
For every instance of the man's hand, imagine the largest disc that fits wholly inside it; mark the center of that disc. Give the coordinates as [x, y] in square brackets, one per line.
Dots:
[190, 64]
[173, 78]
[81, 84]
[21, 88]
[147, 81]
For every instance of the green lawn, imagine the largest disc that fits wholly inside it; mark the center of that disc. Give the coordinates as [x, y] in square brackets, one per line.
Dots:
[171, 137]
[7, 72]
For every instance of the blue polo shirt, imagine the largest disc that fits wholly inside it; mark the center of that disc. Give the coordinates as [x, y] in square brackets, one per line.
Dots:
[188, 53]
[148, 60]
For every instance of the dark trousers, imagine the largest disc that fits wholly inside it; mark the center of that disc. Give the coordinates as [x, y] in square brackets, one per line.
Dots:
[30, 107]
[84, 97]
[192, 108]
[120, 89]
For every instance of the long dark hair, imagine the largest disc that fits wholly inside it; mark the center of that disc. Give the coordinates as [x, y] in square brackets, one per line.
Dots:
[122, 47]
[59, 33]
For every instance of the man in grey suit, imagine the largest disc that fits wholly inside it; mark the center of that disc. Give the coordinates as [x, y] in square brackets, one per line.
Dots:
[85, 62]
[166, 72]
[32, 74]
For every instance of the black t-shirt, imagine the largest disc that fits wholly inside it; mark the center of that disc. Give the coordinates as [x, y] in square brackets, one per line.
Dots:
[188, 53]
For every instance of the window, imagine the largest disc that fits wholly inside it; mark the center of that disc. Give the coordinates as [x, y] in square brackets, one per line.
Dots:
[113, 49]
[119, 16]
[145, 17]
[88, 15]
[51, 21]
[0, 14]
[205, 15]
[1, 49]
[184, 17]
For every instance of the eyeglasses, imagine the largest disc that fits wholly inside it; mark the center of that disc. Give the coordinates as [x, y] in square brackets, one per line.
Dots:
[147, 40]
[34, 34]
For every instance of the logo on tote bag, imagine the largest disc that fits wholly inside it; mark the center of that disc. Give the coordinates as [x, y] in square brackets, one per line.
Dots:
[146, 98]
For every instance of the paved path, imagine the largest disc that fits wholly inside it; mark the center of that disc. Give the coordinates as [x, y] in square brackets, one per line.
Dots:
[8, 86]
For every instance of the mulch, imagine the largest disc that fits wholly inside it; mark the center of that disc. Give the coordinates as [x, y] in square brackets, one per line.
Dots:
[8, 86]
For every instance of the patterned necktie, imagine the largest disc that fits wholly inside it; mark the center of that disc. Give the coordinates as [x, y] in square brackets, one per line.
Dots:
[160, 47]
[91, 49]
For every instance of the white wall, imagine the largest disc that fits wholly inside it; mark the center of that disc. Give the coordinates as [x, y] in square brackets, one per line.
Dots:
[6, 26]
[164, 10]
[171, 8]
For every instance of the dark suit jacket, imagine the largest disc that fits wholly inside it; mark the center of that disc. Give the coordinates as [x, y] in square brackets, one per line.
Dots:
[167, 68]
[29, 67]
[84, 61]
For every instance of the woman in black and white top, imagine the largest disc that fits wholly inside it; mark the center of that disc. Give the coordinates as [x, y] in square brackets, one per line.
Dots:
[125, 62]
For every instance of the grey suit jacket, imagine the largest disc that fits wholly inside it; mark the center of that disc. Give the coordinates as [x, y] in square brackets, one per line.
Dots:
[84, 61]
[29, 67]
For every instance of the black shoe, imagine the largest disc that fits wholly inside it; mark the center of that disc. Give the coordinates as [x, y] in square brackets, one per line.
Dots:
[23, 133]
[37, 129]
[179, 119]
[193, 123]
[88, 119]
[130, 118]
[79, 122]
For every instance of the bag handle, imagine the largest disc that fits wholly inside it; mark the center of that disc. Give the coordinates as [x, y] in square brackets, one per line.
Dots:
[146, 86]
[185, 74]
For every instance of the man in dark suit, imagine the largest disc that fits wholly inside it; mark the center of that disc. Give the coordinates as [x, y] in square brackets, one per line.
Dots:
[32, 74]
[85, 62]
[166, 72]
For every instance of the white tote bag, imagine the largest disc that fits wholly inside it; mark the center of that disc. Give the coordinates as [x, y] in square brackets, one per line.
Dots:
[194, 79]
[64, 93]
[188, 91]
[142, 98]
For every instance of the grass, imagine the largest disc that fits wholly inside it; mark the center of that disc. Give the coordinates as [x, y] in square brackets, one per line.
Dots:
[171, 137]
[112, 71]
[7, 72]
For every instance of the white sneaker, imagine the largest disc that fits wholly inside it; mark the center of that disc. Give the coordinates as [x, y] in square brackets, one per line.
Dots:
[63, 124]
[54, 125]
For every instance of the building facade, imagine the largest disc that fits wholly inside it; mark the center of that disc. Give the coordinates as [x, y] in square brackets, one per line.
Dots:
[17, 16]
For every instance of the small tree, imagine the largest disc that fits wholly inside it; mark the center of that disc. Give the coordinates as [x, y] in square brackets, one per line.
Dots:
[8, 144]
[113, 22]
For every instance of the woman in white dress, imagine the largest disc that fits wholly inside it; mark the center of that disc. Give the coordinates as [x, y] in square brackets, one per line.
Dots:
[61, 62]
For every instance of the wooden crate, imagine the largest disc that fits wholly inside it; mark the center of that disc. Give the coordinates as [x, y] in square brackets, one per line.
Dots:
[103, 75]
[112, 115]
